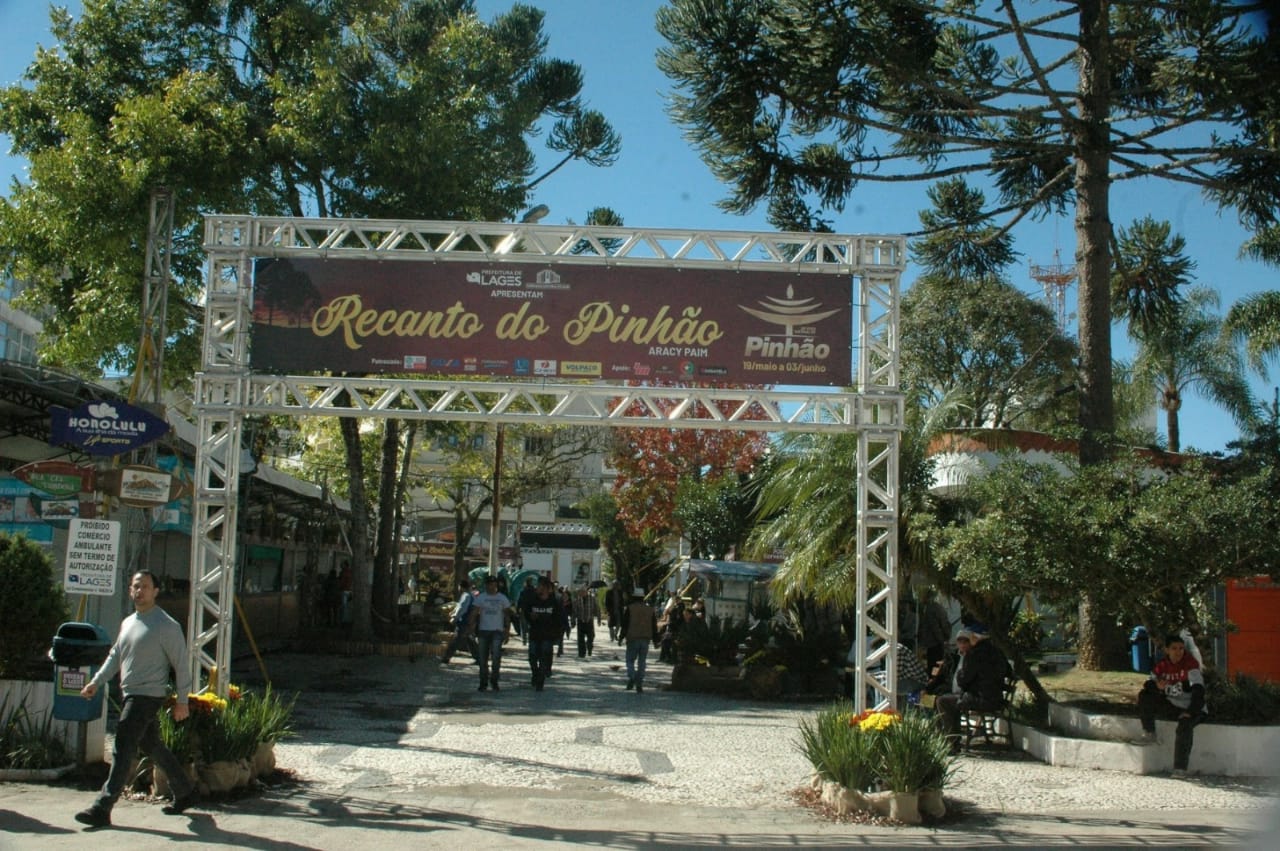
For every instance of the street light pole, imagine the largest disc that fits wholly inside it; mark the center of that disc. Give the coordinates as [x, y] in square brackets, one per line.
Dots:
[496, 519]
[532, 216]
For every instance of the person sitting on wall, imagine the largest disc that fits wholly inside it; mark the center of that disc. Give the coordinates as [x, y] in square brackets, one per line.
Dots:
[1175, 690]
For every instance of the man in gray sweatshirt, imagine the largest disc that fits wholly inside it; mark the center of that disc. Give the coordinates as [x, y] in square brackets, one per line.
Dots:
[150, 643]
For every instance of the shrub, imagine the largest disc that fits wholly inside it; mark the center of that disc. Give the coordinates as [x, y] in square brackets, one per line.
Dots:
[903, 753]
[1244, 700]
[916, 755]
[719, 643]
[837, 751]
[32, 604]
[28, 744]
[1027, 632]
[229, 729]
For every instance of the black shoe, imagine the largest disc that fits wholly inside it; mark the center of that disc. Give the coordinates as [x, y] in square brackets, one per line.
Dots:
[495, 685]
[631, 684]
[483, 687]
[181, 805]
[639, 688]
[95, 816]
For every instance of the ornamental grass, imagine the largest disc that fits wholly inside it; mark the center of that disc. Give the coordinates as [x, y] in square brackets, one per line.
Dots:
[876, 749]
[218, 729]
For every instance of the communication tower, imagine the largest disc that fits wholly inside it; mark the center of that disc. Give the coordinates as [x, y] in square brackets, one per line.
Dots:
[1056, 278]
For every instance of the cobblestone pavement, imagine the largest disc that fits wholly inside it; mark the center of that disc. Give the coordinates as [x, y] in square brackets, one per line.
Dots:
[390, 746]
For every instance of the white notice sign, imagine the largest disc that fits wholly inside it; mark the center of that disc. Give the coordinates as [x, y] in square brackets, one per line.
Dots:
[93, 548]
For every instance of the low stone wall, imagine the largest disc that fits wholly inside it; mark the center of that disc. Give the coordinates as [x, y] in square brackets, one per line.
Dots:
[1105, 742]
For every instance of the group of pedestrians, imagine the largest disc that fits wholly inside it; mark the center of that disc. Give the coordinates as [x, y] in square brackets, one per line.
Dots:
[482, 624]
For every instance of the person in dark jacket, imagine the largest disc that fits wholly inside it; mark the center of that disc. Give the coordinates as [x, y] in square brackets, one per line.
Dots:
[544, 614]
[979, 683]
[639, 630]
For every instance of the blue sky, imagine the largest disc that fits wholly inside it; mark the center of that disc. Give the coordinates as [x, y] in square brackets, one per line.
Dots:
[659, 180]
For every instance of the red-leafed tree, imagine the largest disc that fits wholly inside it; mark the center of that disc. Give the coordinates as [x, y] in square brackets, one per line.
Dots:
[651, 463]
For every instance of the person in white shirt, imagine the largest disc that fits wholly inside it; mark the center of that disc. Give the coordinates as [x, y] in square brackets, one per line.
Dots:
[491, 611]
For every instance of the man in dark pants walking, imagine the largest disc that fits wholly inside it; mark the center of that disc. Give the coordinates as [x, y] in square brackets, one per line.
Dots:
[544, 615]
[149, 644]
[586, 611]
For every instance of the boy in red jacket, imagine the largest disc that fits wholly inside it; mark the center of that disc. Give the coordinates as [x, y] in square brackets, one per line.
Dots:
[1175, 691]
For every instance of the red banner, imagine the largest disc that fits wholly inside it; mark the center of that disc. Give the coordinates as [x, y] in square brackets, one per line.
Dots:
[551, 321]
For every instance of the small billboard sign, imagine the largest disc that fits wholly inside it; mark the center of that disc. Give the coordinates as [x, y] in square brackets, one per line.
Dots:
[93, 552]
[105, 428]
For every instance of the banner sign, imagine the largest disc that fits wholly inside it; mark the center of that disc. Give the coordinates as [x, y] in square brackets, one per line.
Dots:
[56, 478]
[93, 548]
[139, 486]
[539, 320]
[104, 428]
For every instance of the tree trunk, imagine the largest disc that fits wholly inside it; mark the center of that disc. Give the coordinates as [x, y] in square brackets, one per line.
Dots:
[1093, 259]
[1093, 231]
[361, 564]
[1106, 648]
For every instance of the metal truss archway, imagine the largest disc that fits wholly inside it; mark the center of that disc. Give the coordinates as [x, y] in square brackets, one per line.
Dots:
[226, 390]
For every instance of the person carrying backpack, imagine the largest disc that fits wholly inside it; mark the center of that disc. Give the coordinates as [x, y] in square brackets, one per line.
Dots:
[462, 626]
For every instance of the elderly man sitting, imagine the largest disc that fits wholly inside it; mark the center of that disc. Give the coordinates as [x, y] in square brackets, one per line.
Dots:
[979, 683]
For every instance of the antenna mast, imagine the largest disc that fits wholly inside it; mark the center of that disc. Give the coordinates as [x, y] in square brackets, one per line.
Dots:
[1056, 278]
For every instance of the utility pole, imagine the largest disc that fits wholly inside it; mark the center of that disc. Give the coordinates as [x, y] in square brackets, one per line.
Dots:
[496, 520]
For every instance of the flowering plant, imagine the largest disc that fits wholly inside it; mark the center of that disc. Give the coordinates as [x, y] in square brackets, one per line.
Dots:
[228, 728]
[881, 748]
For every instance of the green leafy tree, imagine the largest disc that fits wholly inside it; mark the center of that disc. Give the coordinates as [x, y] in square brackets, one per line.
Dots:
[636, 561]
[970, 336]
[363, 108]
[798, 103]
[31, 604]
[714, 516]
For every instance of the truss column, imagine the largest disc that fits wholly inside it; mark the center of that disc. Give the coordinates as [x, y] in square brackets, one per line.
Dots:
[213, 538]
[221, 397]
[880, 422]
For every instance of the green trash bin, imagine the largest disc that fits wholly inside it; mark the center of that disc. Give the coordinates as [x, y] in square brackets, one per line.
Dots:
[79, 649]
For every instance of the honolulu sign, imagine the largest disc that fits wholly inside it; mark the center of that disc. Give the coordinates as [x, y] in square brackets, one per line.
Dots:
[105, 428]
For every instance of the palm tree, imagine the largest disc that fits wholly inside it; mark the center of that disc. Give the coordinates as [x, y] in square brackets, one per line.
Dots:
[1255, 322]
[1187, 351]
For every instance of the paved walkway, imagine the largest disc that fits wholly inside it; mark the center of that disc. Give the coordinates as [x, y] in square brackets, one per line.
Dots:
[396, 750]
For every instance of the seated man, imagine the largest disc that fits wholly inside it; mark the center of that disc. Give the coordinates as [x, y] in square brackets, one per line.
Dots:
[942, 679]
[1176, 691]
[979, 683]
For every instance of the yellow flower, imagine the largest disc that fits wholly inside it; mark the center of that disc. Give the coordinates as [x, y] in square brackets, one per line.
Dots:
[877, 721]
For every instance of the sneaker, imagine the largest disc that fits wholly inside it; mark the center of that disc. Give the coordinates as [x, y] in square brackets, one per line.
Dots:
[631, 684]
[1179, 773]
[639, 688]
[1146, 737]
[495, 685]
[95, 816]
[181, 804]
[483, 687]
